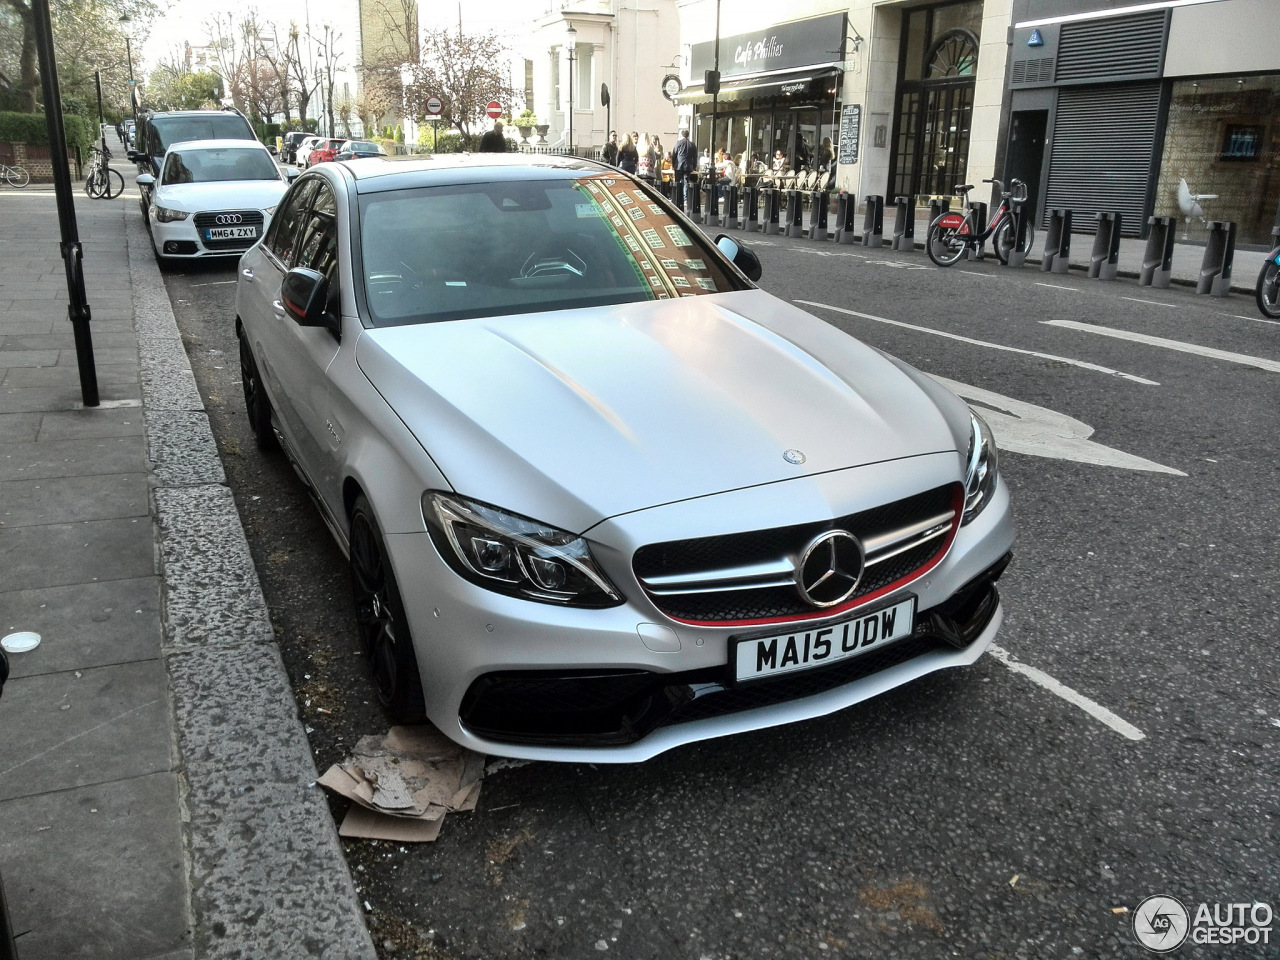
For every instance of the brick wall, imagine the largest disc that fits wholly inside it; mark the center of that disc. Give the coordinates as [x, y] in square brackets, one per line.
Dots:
[35, 158]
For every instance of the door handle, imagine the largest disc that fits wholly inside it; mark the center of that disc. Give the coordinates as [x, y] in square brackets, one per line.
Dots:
[247, 273]
[278, 307]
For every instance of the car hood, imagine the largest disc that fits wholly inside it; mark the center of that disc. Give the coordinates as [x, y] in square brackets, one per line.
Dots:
[578, 415]
[230, 195]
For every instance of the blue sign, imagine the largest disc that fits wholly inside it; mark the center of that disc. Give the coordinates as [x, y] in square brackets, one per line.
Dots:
[1035, 40]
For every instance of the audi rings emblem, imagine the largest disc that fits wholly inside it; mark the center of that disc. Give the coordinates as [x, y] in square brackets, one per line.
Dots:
[830, 568]
[228, 218]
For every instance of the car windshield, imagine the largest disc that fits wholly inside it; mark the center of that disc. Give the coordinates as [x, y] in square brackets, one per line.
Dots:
[214, 165]
[215, 127]
[509, 247]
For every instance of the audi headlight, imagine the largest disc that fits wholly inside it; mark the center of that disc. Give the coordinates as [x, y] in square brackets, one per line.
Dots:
[982, 468]
[168, 215]
[515, 555]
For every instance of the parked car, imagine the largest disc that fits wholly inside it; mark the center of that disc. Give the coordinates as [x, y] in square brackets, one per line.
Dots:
[157, 132]
[600, 494]
[356, 149]
[324, 151]
[292, 141]
[305, 148]
[214, 199]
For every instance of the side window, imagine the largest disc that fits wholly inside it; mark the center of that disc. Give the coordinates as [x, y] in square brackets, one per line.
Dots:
[287, 223]
[318, 248]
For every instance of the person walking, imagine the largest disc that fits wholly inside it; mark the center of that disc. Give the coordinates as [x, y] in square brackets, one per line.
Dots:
[494, 141]
[684, 161]
[628, 156]
[610, 153]
[650, 160]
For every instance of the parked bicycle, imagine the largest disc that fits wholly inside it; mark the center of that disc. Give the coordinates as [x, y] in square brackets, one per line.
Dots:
[103, 183]
[953, 234]
[14, 176]
[1268, 289]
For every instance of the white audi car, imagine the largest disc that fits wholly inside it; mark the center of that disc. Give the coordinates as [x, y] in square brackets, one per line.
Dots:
[601, 495]
[214, 198]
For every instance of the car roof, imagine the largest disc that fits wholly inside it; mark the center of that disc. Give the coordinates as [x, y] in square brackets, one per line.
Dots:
[193, 113]
[376, 174]
[220, 145]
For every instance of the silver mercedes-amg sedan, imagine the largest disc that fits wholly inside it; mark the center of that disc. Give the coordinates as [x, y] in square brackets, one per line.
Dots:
[601, 495]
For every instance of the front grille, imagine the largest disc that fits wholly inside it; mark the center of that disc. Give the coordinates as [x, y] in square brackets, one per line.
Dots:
[775, 549]
[249, 218]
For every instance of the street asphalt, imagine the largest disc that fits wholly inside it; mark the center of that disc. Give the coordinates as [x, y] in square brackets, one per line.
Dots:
[1124, 745]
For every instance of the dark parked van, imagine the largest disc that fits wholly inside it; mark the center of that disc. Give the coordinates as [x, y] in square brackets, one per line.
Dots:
[158, 131]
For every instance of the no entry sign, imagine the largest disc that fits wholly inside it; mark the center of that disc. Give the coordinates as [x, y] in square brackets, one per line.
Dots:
[494, 109]
[435, 106]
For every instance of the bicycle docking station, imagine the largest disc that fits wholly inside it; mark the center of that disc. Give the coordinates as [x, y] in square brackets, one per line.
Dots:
[795, 213]
[770, 213]
[1157, 260]
[1106, 247]
[730, 218]
[750, 221]
[873, 222]
[846, 210]
[978, 250]
[710, 203]
[1018, 255]
[904, 224]
[1057, 243]
[819, 202]
[1219, 252]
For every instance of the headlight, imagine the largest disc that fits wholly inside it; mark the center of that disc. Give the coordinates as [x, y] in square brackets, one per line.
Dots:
[166, 215]
[982, 469]
[514, 555]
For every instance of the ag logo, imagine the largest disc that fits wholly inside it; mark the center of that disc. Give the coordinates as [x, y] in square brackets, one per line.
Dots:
[1161, 923]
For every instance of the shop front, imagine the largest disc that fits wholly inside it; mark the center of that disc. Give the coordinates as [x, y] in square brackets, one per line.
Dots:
[779, 92]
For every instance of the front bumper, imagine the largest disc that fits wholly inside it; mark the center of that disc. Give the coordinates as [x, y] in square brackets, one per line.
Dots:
[181, 239]
[510, 677]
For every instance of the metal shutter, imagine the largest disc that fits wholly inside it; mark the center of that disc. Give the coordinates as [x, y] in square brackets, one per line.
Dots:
[1104, 140]
[1112, 47]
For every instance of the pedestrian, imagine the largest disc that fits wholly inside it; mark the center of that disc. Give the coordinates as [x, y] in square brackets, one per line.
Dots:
[610, 154]
[650, 160]
[494, 141]
[684, 161]
[825, 154]
[628, 156]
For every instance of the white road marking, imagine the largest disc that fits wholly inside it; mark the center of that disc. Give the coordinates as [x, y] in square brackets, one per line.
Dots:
[1083, 364]
[1154, 303]
[1057, 287]
[1262, 363]
[1095, 710]
[1025, 428]
[1274, 323]
[975, 273]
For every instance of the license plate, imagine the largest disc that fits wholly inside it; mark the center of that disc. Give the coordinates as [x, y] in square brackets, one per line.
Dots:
[231, 233]
[759, 657]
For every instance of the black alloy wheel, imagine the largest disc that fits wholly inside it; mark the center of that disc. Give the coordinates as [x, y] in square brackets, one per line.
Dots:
[1267, 291]
[384, 628]
[256, 402]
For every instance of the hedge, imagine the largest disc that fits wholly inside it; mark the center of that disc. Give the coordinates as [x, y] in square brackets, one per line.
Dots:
[30, 128]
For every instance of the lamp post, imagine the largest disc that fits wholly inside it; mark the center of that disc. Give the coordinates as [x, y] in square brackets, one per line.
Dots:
[573, 50]
[133, 86]
[406, 78]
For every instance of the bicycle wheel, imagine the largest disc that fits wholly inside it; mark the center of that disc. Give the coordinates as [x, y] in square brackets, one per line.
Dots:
[945, 244]
[17, 176]
[1004, 239]
[115, 184]
[1267, 291]
[91, 184]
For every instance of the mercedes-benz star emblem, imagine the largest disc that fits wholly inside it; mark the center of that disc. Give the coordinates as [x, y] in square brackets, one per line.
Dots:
[793, 456]
[830, 568]
[225, 218]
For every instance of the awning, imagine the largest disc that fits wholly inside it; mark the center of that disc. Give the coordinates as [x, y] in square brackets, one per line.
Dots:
[769, 85]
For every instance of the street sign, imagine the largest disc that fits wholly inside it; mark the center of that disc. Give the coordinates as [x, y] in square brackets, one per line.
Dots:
[493, 109]
[435, 106]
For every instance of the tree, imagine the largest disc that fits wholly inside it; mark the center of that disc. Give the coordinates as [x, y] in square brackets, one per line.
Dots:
[330, 61]
[301, 67]
[271, 56]
[464, 71]
[183, 90]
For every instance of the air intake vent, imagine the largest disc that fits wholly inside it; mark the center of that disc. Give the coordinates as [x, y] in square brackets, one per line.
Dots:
[1111, 47]
[1033, 71]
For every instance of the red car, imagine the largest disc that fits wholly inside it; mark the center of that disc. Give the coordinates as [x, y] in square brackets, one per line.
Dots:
[324, 150]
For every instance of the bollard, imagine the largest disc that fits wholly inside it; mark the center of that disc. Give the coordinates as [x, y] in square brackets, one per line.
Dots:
[1057, 243]
[904, 224]
[694, 196]
[1157, 261]
[818, 208]
[846, 210]
[1018, 255]
[977, 251]
[873, 222]
[1219, 252]
[750, 209]
[769, 215]
[1106, 247]
[731, 208]
[795, 213]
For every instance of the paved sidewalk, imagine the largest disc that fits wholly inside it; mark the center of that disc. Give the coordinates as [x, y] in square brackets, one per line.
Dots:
[157, 796]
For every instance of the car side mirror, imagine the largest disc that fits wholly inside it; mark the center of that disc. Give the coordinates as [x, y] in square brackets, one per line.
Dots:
[741, 255]
[292, 174]
[305, 294]
[132, 155]
[146, 180]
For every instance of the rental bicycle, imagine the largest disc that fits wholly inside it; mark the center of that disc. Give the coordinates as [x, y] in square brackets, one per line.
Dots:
[953, 234]
[14, 176]
[1267, 290]
[103, 183]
